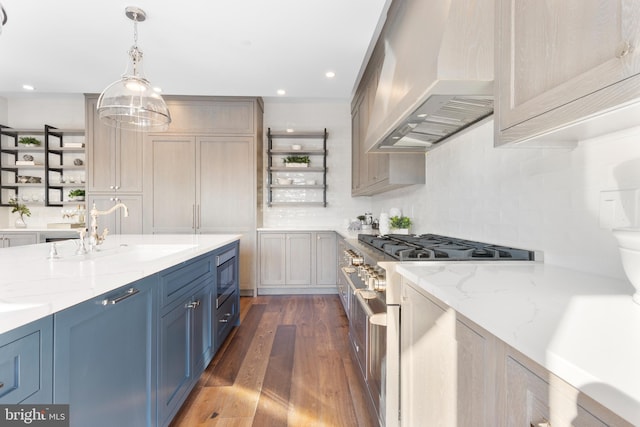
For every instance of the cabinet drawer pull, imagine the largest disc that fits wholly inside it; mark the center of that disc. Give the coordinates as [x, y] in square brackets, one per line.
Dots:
[193, 304]
[543, 423]
[129, 293]
[225, 319]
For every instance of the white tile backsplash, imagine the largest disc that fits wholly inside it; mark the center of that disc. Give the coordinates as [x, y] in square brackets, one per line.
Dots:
[541, 199]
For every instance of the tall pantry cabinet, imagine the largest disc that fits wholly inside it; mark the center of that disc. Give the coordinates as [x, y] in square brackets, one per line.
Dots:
[201, 175]
[114, 171]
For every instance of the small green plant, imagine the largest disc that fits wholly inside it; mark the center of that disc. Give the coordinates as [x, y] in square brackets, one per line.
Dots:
[76, 193]
[29, 140]
[19, 207]
[362, 218]
[297, 159]
[400, 222]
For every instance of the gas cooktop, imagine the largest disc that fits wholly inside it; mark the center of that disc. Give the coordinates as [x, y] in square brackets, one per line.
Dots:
[434, 247]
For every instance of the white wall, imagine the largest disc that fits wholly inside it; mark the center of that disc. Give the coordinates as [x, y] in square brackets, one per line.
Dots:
[315, 115]
[540, 199]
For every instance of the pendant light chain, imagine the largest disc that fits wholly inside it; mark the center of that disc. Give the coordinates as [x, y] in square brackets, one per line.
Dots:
[134, 52]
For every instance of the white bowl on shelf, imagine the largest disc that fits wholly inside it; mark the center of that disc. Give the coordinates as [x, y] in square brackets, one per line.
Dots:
[629, 245]
[284, 181]
[296, 147]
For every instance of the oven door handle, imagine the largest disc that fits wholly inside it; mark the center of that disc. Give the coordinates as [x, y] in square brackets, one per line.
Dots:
[378, 319]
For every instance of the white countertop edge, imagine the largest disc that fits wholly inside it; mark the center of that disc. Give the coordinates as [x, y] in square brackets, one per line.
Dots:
[539, 337]
[48, 286]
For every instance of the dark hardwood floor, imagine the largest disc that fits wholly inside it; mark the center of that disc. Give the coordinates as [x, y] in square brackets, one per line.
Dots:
[288, 364]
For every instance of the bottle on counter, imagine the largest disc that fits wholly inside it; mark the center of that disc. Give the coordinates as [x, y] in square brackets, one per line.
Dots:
[383, 225]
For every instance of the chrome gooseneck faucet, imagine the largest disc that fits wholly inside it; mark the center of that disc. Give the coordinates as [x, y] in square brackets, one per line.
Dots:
[96, 239]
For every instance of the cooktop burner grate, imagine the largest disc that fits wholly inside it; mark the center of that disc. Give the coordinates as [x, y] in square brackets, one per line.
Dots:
[436, 247]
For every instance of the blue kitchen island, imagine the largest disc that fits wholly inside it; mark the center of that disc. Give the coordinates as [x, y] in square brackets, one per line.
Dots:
[122, 334]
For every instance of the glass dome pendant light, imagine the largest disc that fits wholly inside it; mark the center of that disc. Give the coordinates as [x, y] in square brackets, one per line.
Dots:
[131, 103]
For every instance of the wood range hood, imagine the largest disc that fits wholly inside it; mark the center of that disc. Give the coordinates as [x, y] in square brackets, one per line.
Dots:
[436, 78]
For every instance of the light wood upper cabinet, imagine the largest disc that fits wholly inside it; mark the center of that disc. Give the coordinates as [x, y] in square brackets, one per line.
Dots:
[114, 156]
[224, 115]
[373, 173]
[560, 62]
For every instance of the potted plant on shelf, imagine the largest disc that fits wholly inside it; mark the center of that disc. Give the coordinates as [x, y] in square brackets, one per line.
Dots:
[297, 161]
[29, 140]
[22, 210]
[76, 194]
[400, 224]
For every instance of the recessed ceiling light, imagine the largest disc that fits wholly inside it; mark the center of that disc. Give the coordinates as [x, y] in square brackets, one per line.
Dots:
[330, 74]
[28, 87]
[281, 92]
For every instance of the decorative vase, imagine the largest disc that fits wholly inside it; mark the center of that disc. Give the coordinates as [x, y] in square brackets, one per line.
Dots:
[20, 222]
[399, 231]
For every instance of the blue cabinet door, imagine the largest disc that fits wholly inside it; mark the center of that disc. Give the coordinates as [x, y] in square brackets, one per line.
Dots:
[186, 347]
[26, 355]
[105, 358]
[174, 376]
[202, 335]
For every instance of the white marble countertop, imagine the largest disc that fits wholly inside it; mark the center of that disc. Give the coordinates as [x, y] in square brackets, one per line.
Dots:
[39, 229]
[33, 286]
[583, 328]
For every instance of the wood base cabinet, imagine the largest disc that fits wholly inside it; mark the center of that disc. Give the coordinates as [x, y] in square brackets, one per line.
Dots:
[105, 358]
[455, 373]
[532, 397]
[9, 240]
[446, 366]
[297, 261]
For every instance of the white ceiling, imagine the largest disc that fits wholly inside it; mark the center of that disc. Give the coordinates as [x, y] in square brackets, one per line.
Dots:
[191, 47]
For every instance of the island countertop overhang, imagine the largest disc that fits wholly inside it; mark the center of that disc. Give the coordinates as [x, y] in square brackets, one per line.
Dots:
[33, 286]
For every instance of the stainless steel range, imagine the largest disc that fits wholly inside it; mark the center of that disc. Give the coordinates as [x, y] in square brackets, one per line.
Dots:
[370, 293]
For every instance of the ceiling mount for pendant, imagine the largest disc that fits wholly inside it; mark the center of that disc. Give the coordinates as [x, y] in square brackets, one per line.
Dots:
[135, 14]
[131, 102]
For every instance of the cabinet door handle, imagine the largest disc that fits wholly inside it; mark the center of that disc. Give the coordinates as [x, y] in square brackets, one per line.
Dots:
[543, 423]
[193, 216]
[225, 319]
[192, 304]
[129, 293]
[112, 187]
[624, 50]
